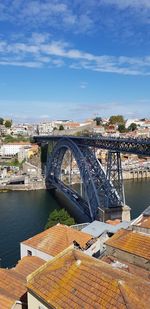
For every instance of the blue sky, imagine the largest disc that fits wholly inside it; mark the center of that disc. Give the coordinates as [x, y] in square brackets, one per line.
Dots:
[74, 59]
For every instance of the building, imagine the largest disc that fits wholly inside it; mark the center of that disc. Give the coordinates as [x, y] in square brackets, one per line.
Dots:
[142, 223]
[27, 152]
[130, 246]
[45, 128]
[97, 228]
[102, 231]
[31, 170]
[75, 280]
[71, 125]
[54, 240]
[13, 291]
[11, 149]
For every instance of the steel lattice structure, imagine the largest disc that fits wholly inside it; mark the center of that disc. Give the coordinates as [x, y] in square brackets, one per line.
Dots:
[114, 173]
[99, 191]
[123, 145]
[102, 189]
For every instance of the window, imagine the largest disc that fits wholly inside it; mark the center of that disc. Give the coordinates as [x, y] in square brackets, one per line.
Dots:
[29, 253]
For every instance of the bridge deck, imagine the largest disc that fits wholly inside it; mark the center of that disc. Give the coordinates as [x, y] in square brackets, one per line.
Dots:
[125, 145]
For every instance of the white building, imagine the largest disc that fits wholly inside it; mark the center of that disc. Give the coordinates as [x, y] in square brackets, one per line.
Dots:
[11, 149]
[51, 242]
[136, 121]
[45, 128]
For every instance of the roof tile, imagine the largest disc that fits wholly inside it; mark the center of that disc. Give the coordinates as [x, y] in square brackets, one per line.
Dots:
[131, 242]
[86, 283]
[13, 281]
[57, 238]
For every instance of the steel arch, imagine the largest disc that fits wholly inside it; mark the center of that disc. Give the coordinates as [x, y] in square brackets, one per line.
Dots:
[99, 190]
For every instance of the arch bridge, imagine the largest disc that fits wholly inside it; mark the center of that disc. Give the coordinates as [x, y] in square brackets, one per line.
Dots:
[103, 190]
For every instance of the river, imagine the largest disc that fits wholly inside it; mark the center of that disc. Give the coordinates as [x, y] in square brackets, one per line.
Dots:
[24, 214]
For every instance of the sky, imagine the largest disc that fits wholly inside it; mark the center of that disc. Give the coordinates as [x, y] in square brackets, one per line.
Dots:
[74, 59]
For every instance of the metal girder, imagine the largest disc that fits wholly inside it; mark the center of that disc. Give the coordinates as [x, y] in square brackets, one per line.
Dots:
[99, 191]
[114, 173]
[125, 145]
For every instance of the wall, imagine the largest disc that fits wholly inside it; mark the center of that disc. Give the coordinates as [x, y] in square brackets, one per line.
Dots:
[97, 247]
[33, 186]
[141, 229]
[35, 252]
[125, 256]
[34, 303]
[136, 174]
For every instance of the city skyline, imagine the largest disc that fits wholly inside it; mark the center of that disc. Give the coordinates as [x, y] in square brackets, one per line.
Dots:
[65, 61]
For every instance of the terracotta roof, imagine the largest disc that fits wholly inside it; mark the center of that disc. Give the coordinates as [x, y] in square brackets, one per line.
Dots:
[5, 301]
[131, 242]
[75, 280]
[13, 281]
[113, 222]
[143, 222]
[57, 238]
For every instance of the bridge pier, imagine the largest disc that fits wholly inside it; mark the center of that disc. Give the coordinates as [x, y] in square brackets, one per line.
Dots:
[122, 213]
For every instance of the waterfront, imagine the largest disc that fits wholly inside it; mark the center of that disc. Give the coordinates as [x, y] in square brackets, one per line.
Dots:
[23, 214]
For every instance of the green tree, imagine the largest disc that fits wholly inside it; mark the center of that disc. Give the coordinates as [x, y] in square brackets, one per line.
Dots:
[1, 120]
[61, 127]
[121, 128]
[59, 216]
[98, 121]
[8, 123]
[116, 119]
[132, 127]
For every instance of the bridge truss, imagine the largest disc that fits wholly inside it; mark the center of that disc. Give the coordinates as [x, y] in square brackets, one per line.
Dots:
[103, 189]
[100, 192]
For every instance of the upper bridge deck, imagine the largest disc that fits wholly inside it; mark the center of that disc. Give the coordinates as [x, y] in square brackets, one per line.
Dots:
[138, 146]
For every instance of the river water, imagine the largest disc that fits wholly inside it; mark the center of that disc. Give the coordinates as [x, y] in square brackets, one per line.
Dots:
[24, 214]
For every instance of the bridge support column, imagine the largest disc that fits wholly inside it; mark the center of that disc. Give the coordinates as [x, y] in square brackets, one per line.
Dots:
[126, 213]
[114, 173]
[122, 213]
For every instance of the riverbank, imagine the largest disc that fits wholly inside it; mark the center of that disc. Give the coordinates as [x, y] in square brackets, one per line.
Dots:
[23, 187]
[136, 174]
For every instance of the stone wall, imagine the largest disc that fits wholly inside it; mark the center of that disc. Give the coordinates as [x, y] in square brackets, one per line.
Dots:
[126, 256]
[23, 187]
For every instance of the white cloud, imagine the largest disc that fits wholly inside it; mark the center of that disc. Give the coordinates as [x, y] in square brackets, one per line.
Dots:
[84, 16]
[43, 52]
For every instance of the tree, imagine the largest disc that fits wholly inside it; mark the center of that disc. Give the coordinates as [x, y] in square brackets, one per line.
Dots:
[121, 128]
[98, 121]
[116, 119]
[132, 127]
[8, 123]
[59, 216]
[61, 127]
[1, 120]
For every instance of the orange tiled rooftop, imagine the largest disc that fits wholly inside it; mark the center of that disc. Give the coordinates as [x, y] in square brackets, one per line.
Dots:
[13, 281]
[131, 242]
[57, 238]
[75, 280]
[143, 222]
[113, 222]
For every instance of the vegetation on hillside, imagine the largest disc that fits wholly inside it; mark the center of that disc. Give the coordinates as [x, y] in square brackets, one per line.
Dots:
[1, 121]
[12, 139]
[8, 123]
[116, 119]
[61, 127]
[59, 216]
